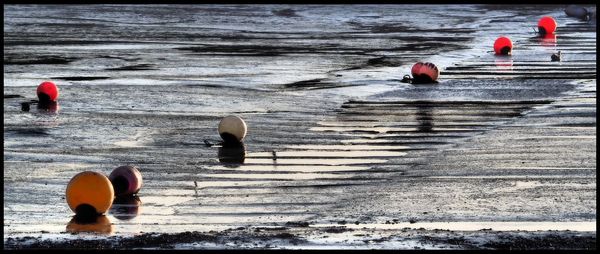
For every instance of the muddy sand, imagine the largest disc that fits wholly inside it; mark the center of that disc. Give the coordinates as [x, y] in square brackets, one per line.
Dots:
[340, 154]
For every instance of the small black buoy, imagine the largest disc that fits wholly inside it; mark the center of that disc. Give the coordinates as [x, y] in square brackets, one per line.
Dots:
[406, 79]
[25, 106]
[556, 57]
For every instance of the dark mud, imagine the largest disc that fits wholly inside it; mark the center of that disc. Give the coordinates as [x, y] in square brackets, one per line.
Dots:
[518, 241]
[314, 84]
[55, 42]
[286, 13]
[38, 60]
[82, 78]
[152, 241]
[31, 131]
[384, 61]
[136, 67]
[280, 238]
[544, 241]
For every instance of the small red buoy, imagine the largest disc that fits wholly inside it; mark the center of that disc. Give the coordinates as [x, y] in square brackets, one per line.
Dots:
[126, 180]
[503, 46]
[547, 25]
[424, 72]
[47, 92]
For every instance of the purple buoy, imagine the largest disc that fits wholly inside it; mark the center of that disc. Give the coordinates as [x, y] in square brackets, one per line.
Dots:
[126, 180]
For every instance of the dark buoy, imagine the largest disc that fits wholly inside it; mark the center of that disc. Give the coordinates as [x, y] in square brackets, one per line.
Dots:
[424, 73]
[503, 46]
[578, 12]
[556, 57]
[25, 106]
[547, 25]
[89, 194]
[232, 130]
[126, 180]
[47, 92]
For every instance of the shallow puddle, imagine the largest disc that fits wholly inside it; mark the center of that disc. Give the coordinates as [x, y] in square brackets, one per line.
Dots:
[333, 162]
[348, 147]
[287, 176]
[585, 226]
[294, 168]
[326, 154]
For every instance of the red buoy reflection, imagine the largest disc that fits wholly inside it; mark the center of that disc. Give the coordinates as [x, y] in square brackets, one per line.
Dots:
[548, 40]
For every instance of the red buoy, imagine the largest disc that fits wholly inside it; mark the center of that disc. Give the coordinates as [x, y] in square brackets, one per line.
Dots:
[416, 68]
[47, 92]
[547, 25]
[503, 46]
[424, 72]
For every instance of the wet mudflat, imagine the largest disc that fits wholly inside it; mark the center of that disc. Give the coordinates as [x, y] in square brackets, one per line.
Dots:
[340, 154]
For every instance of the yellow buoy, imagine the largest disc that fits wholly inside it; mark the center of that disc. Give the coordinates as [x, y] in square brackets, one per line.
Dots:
[89, 193]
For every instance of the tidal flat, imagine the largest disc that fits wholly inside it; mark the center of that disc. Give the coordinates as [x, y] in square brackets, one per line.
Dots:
[500, 153]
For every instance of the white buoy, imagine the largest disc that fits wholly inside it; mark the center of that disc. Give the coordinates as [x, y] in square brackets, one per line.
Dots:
[232, 129]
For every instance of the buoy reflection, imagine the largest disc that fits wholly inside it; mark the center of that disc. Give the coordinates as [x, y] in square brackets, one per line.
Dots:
[51, 107]
[424, 117]
[126, 207]
[504, 63]
[548, 40]
[232, 155]
[98, 225]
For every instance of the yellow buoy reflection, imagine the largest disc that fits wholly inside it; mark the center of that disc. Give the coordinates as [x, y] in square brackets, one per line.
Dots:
[99, 225]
